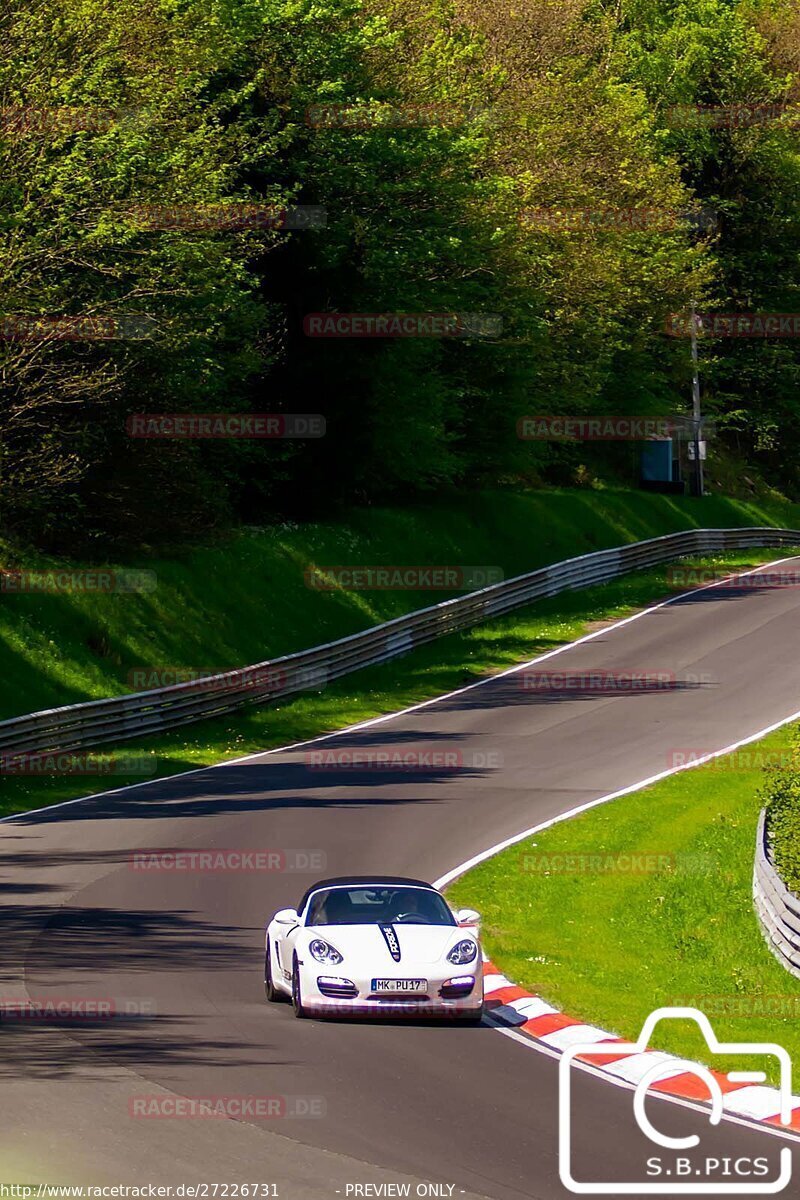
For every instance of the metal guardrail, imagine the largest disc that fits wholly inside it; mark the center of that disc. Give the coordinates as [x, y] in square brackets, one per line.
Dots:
[140, 713]
[777, 908]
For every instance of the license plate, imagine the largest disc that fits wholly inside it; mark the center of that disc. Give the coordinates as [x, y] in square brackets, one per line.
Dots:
[400, 985]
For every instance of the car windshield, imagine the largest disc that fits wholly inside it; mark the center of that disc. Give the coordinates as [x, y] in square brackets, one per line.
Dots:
[380, 904]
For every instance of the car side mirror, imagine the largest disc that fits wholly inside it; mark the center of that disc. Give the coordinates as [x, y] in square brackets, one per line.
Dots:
[467, 917]
[286, 916]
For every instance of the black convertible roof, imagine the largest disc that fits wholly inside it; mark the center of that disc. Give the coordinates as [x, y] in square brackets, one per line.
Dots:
[361, 881]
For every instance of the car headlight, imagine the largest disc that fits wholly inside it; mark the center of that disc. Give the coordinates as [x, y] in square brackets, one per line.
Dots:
[324, 952]
[463, 952]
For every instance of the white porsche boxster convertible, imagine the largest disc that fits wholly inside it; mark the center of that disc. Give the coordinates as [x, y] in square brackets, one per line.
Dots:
[375, 945]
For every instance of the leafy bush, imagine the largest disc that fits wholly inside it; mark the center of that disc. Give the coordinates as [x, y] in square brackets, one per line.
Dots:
[781, 794]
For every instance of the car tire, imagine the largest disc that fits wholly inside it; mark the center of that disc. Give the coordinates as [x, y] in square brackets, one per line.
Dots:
[297, 998]
[270, 991]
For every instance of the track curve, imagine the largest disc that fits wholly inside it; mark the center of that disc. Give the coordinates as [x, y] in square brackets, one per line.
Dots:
[461, 1107]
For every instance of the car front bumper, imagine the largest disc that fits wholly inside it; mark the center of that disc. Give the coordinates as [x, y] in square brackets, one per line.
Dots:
[321, 995]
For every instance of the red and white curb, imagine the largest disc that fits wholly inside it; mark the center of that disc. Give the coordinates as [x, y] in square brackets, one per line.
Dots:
[511, 1006]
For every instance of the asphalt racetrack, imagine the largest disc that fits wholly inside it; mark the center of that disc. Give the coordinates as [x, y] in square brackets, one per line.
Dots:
[181, 952]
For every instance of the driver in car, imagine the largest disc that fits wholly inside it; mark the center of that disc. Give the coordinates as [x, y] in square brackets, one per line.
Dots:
[414, 907]
[337, 909]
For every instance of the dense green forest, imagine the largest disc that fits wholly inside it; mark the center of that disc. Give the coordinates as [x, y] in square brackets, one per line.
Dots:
[185, 183]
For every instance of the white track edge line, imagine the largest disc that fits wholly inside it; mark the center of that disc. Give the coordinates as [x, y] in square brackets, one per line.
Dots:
[696, 1106]
[321, 737]
[543, 1048]
[540, 1047]
[450, 876]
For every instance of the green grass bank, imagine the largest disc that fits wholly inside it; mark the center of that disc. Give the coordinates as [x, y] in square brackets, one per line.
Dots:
[569, 919]
[226, 606]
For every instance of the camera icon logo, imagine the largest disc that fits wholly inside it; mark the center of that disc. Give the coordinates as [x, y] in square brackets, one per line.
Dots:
[698, 1175]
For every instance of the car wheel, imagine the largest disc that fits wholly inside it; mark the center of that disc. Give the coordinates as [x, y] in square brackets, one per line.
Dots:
[297, 999]
[270, 991]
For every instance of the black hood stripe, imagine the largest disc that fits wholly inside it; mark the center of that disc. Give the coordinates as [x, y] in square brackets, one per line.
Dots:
[391, 939]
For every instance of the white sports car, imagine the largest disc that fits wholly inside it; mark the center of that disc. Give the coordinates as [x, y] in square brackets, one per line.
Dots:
[378, 945]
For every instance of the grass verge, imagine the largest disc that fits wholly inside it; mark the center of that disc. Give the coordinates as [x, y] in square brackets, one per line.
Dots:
[246, 600]
[579, 915]
[440, 667]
